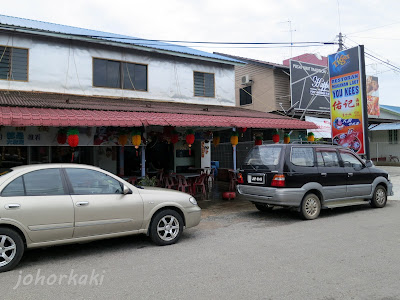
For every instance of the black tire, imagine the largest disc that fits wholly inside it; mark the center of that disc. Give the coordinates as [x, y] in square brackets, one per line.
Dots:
[166, 227]
[310, 207]
[379, 198]
[264, 207]
[11, 240]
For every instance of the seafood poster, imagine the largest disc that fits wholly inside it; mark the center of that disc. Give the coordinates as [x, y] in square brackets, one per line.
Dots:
[346, 100]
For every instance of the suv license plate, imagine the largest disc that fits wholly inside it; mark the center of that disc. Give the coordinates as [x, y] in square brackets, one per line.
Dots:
[259, 179]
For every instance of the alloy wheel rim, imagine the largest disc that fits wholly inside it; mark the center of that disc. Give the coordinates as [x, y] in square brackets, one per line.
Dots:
[8, 250]
[380, 196]
[311, 206]
[168, 228]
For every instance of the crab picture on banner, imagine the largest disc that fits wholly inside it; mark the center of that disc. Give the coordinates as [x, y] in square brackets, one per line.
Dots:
[349, 140]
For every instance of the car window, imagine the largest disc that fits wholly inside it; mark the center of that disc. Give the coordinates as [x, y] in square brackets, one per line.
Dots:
[301, 156]
[43, 182]
[85, 181]
[350, 160]
[327, 158]
[263, 156]
[14, 188]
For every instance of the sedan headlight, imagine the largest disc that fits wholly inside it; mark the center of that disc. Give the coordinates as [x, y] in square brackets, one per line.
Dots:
[193, 201]
[388, 177]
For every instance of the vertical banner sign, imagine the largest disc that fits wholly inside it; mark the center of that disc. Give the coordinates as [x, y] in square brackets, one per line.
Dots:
[346, 99]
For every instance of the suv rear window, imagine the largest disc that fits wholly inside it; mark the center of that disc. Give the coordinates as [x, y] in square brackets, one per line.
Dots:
[263, 156]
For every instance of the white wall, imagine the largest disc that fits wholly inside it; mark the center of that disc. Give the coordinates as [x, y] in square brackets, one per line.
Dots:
[56, 67]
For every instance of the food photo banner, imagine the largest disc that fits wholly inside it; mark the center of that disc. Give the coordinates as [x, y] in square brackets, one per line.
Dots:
[346, 99]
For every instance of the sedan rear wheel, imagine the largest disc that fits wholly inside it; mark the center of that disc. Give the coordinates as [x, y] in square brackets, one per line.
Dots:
[380, 197]
[310, 207]
[166, 227]
[11, 249]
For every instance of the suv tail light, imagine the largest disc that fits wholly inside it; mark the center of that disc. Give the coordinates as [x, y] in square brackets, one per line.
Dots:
[278, 180]
[240, 178]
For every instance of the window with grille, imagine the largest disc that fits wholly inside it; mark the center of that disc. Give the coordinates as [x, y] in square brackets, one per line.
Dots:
[392, 136]
[245, 95]
[13, 63]
[204, 84]
[119, 75]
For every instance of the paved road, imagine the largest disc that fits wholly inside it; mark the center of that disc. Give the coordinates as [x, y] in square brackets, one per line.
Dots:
[348, 253]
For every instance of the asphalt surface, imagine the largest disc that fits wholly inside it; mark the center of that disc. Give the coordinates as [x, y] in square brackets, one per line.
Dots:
[235, 253]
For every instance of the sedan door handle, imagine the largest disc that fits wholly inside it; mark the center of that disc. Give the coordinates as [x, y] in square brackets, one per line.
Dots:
[349, 174]
[83, 203]
[323, 174]
[12, 206]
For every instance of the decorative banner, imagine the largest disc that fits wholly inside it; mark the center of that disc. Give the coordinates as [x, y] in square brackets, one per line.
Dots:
[324, 127]
[373, 96]
[308, 82]
[347, 111]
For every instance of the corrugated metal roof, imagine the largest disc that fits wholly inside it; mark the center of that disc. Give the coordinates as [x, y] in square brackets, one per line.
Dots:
[68, 101]
[394, 109]
[385, 126]
[42, 27]
[254, 61]
[42, 109]
[31, 116]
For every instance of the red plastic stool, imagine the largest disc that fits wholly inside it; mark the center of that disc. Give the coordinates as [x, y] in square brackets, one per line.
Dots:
[229, 195]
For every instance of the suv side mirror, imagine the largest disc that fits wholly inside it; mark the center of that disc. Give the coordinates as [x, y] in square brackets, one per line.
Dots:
[369, 163]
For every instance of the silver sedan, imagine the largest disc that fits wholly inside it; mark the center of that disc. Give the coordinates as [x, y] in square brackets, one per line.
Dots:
[50, 204]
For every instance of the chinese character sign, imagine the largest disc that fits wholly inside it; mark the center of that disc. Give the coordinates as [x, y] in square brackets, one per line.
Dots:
[346, 100]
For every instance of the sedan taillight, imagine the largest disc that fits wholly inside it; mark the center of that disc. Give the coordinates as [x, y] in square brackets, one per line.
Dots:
[278, 181]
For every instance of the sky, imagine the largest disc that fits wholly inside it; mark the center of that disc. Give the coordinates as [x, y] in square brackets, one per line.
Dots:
[372, 23]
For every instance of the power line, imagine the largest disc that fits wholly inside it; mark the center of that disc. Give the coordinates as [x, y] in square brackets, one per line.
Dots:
[117, 37]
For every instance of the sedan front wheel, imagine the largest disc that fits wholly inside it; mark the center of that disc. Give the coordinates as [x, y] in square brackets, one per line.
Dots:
[166, 227]
[11, 249]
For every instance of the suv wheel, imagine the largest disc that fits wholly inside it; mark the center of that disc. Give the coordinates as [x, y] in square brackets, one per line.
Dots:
[310, 207]
[379, 198]
[263, 207]
[166, 227]
[11, 249]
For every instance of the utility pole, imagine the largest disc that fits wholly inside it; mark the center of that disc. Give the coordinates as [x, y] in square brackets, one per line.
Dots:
[340, 42]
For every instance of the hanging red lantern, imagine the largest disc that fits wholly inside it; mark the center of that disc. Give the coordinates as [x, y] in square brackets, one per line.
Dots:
[61, 137]
[190, 139]
[275, 136]
[73, 140]
[174, 137]
[243, 130]
[258, 141]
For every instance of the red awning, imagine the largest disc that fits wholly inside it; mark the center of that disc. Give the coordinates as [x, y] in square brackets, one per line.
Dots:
[31, 116]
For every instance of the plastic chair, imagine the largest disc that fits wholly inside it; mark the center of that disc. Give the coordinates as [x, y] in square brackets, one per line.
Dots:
[199, 182]
[183, 184]
[160, 178]
[210, 178]
[132, 180]
[170, 182]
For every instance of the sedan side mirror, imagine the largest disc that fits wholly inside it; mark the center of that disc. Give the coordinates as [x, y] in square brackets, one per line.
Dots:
[369, 163]
[127, 190]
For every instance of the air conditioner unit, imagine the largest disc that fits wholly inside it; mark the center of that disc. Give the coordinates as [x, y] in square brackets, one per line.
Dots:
[246, 80]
